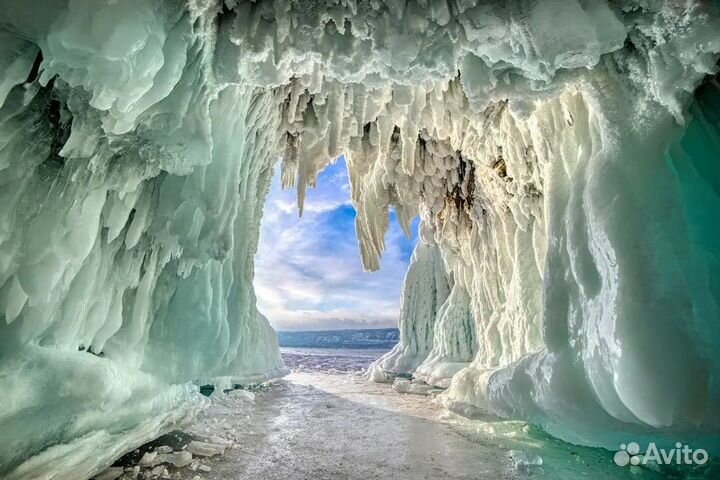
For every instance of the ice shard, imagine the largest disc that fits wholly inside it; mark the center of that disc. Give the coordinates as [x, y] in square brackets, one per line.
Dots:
[562, 156]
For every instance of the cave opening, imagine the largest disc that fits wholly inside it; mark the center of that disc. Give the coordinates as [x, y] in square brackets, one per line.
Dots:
[554, 165]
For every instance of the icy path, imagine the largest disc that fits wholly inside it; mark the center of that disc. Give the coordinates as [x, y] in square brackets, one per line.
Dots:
[314, 425]
[322, 426]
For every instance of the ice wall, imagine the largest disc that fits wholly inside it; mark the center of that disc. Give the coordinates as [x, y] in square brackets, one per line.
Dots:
[454, 343]
[131, 190]
[425, 290]
[564, 172]
[626, 306]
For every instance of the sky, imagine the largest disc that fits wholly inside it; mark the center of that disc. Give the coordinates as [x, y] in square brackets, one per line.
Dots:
[308, 273]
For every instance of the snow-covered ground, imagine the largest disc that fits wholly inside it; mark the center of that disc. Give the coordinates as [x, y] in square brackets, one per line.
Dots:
[319, 425]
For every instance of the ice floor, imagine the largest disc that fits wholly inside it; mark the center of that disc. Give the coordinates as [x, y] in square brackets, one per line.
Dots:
[315, 425]
[323, 426]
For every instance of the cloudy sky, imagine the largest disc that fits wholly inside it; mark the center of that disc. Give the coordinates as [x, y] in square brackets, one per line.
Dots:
[308, 274]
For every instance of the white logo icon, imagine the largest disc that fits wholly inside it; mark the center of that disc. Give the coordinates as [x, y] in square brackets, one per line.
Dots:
[628, 454]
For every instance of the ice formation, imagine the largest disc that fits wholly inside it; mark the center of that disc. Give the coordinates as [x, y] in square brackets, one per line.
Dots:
[559, 153]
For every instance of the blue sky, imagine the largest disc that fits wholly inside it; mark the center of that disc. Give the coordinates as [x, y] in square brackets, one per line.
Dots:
[308, 274]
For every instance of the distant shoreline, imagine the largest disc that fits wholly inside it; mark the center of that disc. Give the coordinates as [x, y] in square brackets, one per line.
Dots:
[346, 338]
[358, 347]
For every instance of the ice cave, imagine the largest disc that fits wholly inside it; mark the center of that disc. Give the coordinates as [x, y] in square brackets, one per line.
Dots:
[563, 157]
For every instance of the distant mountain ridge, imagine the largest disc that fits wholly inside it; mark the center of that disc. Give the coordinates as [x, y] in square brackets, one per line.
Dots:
[352, 338]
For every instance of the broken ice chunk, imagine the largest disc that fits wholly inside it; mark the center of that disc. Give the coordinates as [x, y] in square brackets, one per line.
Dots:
[204, 449]
[148, 459]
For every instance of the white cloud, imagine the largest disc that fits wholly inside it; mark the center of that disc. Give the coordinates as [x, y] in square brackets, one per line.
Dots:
[290, 207]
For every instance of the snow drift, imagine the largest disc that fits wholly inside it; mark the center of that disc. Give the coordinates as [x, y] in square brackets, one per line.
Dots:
[559, 153]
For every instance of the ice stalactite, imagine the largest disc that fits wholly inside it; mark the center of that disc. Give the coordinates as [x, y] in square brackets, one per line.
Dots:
[563, 167]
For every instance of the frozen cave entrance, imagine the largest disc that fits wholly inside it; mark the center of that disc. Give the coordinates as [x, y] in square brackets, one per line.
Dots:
[562, 158]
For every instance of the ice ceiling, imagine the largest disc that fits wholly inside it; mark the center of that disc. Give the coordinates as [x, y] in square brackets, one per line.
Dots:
[564, 169]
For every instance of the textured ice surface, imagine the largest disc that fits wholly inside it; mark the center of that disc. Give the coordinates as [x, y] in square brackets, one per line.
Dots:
[565, 176]
[131, 190]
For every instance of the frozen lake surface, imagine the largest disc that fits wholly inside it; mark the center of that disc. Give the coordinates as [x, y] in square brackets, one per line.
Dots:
[330, 360]
[315, 425]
